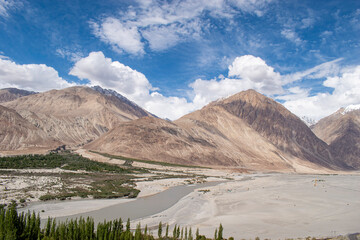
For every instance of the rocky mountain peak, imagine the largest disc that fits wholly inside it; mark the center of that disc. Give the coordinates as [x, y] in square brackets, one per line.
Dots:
[10, 94]
[349, 109]
[279, 126]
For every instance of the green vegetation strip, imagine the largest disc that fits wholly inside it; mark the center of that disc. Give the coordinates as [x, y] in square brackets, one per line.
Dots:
[66, 160]
[146, 161]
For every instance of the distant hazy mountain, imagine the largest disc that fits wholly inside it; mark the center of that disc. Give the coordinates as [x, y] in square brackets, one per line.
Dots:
[10, 94]
[341, 131]
[75, 115]
[246, 130]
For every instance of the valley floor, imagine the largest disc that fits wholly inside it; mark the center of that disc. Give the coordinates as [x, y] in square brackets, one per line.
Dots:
[275, 206]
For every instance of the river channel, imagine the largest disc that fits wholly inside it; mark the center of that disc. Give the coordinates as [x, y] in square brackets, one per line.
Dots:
[133, 209]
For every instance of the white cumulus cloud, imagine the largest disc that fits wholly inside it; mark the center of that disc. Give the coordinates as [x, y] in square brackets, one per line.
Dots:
[100, 70]
[35, 77]
[245, 72]
[255, 70]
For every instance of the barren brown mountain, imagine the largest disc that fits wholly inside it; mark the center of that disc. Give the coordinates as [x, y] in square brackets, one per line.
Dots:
[75, 115]
[247, 130]
[282, 128]
[341, 131]
[10, 94]
[18, 133]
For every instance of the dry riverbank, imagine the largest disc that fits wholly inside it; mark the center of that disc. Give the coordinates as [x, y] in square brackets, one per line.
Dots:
[274, 206]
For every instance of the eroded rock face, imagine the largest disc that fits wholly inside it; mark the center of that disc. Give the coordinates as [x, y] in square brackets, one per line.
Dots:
[18, 133]
[341, 131]
[75, 115]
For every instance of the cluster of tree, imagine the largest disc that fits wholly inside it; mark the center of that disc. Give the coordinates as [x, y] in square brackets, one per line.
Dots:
[23, 226]
[18, 226]
[65, 160]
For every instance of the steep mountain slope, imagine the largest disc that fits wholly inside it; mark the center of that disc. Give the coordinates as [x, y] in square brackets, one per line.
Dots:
[17, 133]
[188, 142]
[10, 94]
[244, 131]
[341, 131]
[279, 126]
[75, 115]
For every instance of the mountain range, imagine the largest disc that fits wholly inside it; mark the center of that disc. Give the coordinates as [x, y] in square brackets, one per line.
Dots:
[247, 131]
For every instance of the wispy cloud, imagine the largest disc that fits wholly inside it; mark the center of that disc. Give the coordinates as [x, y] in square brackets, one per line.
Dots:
[72, 55]
[323, 70]
[8, 5]
[160, 25]
[292, 36]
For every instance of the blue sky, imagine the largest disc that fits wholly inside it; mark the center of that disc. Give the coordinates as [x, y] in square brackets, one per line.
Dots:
[173, 57]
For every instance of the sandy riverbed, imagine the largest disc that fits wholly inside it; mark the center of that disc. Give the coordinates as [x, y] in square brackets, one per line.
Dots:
[275, 206]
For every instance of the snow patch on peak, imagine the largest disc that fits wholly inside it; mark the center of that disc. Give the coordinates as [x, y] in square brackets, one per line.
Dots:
[350, 108]
[109, 92]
